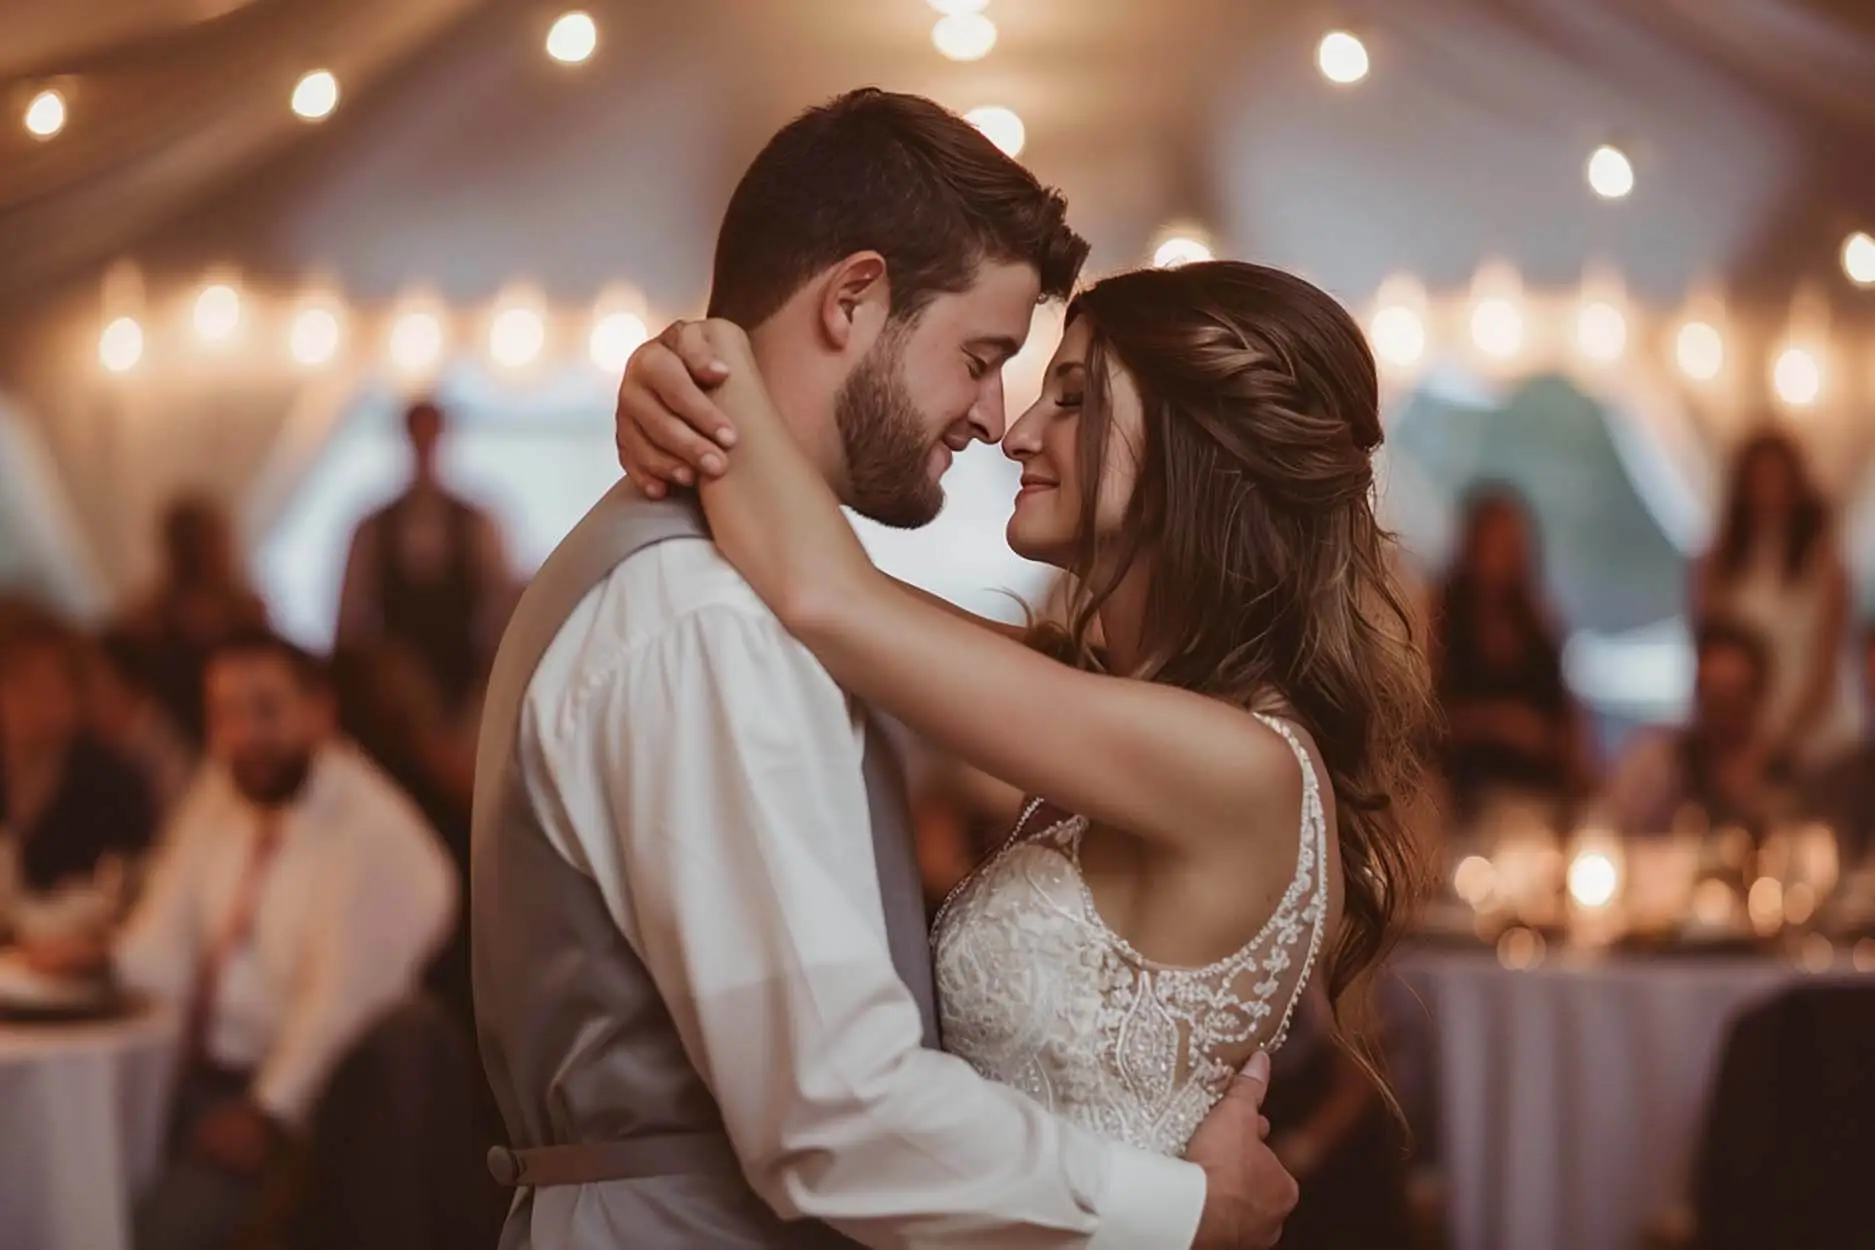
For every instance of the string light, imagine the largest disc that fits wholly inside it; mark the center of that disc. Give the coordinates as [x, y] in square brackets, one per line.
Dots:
[1001, 126]
[1497, 327]
[217, 312]
[45, 114]
[120, 347]
[1398, 335]
[1180, 249]
[1601, 332]
[572, 38]
[964, 36]
[1342, 58]
[316, 95]
[1797, 377]
[1700, 351]
[615, 337]
[515, 337]
[416, 343]
[1858, 258]
[314, 338]
[1610, 172]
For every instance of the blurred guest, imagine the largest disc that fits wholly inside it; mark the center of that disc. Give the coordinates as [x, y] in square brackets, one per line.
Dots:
[1337, 1137]
[1843, 793]
[298, 897]
[200, 598]
[125, 713]
[387, 707]
[1510, 723]
[1722, 763]
[427, 572]
[1775, 567]
[66, 800]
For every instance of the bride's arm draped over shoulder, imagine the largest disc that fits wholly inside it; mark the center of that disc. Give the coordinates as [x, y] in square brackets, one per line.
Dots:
[1154, 760]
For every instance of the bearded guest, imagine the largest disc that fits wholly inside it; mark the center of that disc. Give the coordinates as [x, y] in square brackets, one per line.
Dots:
[299, 896]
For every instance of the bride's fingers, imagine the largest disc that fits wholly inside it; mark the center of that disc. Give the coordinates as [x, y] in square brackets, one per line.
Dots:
[1263, 1128]
[666, 373]
[651, 468]
[690, 340]
[674, 436]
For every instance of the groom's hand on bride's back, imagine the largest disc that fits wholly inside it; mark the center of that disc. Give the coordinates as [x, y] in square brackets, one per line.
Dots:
[1248, 1194]
[669, 431]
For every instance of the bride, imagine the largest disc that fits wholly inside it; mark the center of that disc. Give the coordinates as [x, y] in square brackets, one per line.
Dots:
[1222, 741]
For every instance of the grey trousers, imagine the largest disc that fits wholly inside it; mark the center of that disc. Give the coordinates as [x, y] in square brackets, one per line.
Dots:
[195, 1205]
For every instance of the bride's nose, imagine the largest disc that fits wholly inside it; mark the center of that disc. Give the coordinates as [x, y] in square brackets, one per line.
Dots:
[1024, 437]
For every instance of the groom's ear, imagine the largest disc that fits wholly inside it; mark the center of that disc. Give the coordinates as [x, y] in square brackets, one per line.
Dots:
[855, 303]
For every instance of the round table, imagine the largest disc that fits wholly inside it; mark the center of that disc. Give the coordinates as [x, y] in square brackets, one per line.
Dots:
[82, 1114]
[1571, 1095]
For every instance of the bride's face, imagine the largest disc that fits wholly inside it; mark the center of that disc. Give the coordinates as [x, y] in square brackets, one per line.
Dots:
[1047, 523]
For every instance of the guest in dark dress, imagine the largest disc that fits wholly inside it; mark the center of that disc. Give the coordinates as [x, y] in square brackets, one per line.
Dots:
[66, 799]
[1510, 721]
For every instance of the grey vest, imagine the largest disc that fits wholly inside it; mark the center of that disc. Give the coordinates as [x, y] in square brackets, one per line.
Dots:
[578, 1046]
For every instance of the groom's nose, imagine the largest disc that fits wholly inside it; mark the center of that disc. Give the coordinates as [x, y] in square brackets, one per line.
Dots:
[986, 415]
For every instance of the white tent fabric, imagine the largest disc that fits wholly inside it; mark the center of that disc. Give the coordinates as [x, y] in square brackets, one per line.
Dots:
[461, 161]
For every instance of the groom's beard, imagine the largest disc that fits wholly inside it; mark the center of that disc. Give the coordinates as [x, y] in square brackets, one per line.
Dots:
[887, 451]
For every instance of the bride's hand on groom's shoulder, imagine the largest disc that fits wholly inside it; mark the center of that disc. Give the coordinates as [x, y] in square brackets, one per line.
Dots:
[669, 430]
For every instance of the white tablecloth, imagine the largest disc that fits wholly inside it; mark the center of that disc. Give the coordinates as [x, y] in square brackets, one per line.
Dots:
[1571, 1095]
[82, 1114]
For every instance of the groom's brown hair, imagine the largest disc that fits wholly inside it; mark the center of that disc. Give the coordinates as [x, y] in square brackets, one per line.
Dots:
[895, 174]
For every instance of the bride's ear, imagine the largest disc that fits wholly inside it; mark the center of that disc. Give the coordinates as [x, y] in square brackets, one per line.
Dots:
[855, 303]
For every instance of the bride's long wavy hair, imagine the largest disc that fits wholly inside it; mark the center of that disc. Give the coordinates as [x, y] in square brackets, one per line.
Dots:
[1272, 582]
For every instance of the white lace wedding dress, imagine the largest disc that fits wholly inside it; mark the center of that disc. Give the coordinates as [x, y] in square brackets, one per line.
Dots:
[1036, 991]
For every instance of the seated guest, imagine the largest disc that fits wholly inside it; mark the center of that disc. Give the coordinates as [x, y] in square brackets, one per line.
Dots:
[1843, 794]
[1721, 763]
[66, 800]
[299, 895]
[1510, 723]
[127, 715]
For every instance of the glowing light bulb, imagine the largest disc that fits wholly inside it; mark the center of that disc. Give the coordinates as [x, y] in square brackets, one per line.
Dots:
[120, 347]
[615, 337]
[1700, 350]
[515, 337]
[1858, 259]
[416, 343]
[572, 38]
[1342, 58]
[1399, 335]
[1797, 377]
[217, 312]
[1497, 327]
[45, 115]
[1611, 173]
[964, 36]
[314, 338]
[1000, 126]
[316, 95]
[1180, 250]
[1601, 332]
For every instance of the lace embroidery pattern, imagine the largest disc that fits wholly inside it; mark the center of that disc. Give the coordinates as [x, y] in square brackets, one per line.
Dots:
[1038, 992]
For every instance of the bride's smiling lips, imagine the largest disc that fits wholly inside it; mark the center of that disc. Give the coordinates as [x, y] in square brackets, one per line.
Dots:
[1034, 485]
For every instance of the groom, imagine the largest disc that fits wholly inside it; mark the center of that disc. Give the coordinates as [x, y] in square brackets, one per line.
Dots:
[702, 983]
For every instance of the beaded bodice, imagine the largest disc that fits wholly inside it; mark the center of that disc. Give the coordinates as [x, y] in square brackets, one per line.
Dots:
[1036, 991]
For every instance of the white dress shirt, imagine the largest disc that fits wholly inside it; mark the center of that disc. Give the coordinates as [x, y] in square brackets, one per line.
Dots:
[707, 776]
[355, 899]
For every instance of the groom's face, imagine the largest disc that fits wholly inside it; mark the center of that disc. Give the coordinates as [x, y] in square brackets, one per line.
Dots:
[929, 387]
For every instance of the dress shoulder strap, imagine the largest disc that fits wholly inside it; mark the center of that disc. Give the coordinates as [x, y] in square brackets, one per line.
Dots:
[1308, 889]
